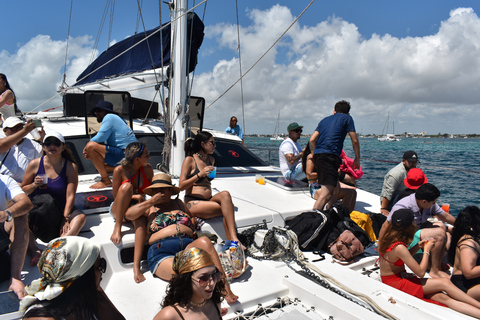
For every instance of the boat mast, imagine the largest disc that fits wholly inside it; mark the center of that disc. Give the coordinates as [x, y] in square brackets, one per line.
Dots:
[178, 92]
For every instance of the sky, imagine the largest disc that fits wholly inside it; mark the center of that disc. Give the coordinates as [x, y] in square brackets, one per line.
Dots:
[417, 61]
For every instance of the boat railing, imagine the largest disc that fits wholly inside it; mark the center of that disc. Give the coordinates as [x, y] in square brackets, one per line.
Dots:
[266, 155]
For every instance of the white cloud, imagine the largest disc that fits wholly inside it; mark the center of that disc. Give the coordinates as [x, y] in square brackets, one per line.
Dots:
[427, 83]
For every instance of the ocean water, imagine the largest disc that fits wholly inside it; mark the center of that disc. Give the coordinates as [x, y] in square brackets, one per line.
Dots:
[453, 165]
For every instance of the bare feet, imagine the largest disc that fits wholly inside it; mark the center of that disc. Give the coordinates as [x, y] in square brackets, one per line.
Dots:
[104, 183]
[116, 235]
[18, 287]
[36, 256]
[138, 275]
[231, 298]
[223, 311]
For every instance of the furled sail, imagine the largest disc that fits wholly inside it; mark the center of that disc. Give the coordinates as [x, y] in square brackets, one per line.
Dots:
[140, 54]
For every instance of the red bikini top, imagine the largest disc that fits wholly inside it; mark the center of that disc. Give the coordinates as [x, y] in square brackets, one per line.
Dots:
[399, 262]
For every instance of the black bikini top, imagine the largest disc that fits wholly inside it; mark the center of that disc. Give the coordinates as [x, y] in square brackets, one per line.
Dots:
[196, 171]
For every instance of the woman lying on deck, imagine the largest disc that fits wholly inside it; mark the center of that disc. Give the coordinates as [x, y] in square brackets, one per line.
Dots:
[464, 252]
[195, 180]
[195, 290]
[172, 229]
[394, 255]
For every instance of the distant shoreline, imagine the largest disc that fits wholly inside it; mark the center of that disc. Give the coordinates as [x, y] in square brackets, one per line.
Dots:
[403, 136]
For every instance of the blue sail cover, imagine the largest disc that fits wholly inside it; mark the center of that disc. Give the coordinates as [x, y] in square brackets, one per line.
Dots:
[139, 58]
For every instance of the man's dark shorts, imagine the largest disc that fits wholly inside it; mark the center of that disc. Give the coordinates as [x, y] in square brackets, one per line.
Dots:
[113, 155]
[327, 165]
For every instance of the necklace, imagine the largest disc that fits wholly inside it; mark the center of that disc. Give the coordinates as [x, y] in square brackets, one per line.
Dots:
[197, 305]
[201, 156]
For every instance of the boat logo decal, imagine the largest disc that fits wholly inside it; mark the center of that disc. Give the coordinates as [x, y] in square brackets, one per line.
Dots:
[234, 153]
[97, 198]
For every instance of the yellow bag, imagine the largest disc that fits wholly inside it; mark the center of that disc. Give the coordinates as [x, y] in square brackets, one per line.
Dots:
[363, 220]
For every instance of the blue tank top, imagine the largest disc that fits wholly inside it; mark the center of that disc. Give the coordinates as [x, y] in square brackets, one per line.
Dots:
[57, 187]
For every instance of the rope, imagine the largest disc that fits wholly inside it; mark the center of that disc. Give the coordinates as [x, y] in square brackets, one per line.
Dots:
[240, 69]
[271, 47]
[66, 49]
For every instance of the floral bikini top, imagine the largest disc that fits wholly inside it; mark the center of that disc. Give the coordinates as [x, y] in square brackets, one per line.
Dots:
[399, 262]
[163, 220]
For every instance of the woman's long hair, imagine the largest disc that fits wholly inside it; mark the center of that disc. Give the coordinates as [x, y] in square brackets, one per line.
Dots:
[133, 150]
[304, 158]
[194, 144]
[7, 87]
[180, 290]
[467, 223]
[393, 235]
[80, 300]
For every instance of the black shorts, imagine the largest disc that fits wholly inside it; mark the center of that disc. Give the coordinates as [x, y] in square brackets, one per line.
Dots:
[326, 165]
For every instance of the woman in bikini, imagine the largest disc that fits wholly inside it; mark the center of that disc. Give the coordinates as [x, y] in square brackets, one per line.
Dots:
[130, 179]
[394, 255]
[194, 180]
[172, 229]
[195, 292]
[464, 252]
[58, 164]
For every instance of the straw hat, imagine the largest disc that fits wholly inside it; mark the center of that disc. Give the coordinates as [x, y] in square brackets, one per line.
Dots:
[161, 180]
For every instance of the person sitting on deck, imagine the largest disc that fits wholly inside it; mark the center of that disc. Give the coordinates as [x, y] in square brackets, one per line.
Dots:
[14, 206]
[172, 228]
[393, 182]
[346, 194]
[348, 175]
[234, 128]
[195, 180]
[290, 154]
[464, 251]
[58, 164]
[71, 270]
[116, 135]
[423, 204]
[16, 151]
[394, 255]
[415, 178]
[196, 287]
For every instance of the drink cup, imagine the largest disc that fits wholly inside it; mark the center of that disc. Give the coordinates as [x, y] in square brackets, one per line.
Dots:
[257, 177]
[261, 180]
[446, 207]
[212, 173]
[35, 134]
[45, 181]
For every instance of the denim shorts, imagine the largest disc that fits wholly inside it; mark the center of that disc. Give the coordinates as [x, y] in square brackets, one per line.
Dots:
[113, 155]
[165, 248]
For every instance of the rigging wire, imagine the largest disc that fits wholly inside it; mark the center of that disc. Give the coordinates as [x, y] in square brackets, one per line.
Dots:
[240, 69]
[259, 59]
[111, 23]
[64, 83]
[139, 15]
[99, 32]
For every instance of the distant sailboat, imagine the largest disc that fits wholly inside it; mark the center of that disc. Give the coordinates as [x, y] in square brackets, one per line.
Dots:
[276, 135]
[388, 136]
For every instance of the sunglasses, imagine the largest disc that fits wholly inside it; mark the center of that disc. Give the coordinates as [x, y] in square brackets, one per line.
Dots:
[298, 131]
[56, 143]
[212, 142]
[204, 280]
[102, 265]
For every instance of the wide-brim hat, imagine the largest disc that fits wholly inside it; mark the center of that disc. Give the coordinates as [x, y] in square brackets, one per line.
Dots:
[161, 180]
[102, 104]
[415, 178]
[12, 122]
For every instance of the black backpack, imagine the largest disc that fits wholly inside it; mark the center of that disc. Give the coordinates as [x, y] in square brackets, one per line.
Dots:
[45, 218]
[313, 227]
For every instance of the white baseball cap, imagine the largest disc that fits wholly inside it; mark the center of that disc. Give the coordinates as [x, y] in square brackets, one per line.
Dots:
[54, 134]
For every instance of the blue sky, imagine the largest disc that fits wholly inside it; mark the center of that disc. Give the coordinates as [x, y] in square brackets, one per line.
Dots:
[411, 58]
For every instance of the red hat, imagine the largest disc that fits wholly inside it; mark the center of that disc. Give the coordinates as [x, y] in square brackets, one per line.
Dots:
[415, 178]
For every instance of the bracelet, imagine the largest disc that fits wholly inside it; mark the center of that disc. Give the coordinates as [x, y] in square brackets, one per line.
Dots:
[383, 209]
[425, 252]
[198, 176]
[9, 215]
[33, 186]
[178, 229]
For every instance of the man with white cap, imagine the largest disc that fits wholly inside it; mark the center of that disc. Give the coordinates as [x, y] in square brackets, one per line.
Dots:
[16, 151]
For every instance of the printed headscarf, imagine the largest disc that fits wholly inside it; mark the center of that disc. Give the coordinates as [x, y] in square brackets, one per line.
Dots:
[63, 260]
[190, 260]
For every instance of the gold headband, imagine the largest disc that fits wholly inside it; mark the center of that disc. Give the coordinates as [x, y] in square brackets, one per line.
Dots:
[190, 260]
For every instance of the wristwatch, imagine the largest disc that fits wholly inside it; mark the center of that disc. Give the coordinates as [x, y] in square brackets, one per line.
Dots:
[9, 215]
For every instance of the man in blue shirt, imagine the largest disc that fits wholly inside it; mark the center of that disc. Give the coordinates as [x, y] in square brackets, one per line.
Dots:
[235, 128]
[327, 143]
[107, 148]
